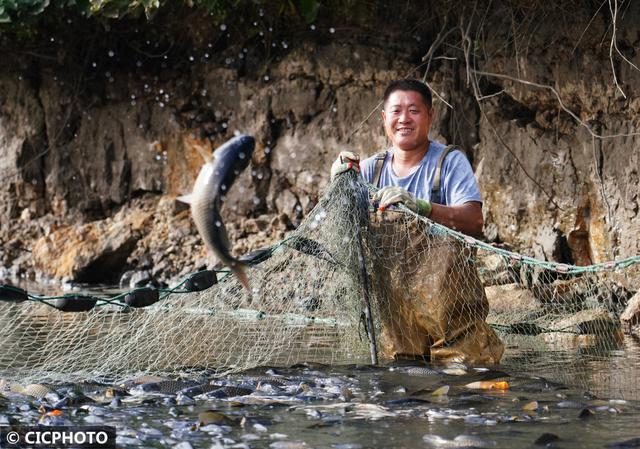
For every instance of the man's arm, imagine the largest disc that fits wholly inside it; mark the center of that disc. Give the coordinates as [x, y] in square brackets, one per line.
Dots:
[465, 218]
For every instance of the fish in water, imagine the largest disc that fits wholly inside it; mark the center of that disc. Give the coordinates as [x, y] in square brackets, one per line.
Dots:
[207, 417]
[422, 371]
[211, 186]
[199, 389]
[228, 391]
[163, 387]
[37, 391]
[459, 441]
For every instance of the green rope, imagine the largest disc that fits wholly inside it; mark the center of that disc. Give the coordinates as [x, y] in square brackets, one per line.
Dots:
[517, 258]
[117, 300]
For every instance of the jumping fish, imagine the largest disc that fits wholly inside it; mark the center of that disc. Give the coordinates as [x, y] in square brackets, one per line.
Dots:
[212, 184]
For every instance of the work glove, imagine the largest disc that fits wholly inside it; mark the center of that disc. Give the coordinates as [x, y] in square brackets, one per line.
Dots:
[389, 195]
[346, 161]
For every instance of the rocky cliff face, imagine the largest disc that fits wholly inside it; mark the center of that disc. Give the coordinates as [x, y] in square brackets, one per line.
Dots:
[92, 159]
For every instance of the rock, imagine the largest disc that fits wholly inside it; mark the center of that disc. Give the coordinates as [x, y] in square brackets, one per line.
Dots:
[562, 293]
[254, 225]
[578, 241]
[631, 315]
[583, 329]
[490, 232]
[491, 261]
[25, 215]
[280, 222]
[93, 252]
[501, 277]
[159, 268]
[564, 341]
[511, 298]
[635, 330]
[145, 262]
[590, 321]
[125, 279]
[286, 203]
[109, 149]
[297, 98]
[307, 181]
[140, 279]
[547, 244]
[495, 269]
[306, 203]
[22, 137]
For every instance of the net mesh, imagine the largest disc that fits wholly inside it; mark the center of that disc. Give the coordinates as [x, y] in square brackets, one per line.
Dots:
[434, 294]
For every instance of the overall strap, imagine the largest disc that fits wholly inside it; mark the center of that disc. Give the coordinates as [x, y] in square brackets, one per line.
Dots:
[437, 179]
[377, 170]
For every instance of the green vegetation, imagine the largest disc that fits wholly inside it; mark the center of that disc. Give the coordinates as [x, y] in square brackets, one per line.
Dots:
[17, 11]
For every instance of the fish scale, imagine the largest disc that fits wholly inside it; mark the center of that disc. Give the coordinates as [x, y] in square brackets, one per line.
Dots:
[227, 392]
[422, 371]
[167, 386]
[200, 389]
[277, 381]
[37, 391]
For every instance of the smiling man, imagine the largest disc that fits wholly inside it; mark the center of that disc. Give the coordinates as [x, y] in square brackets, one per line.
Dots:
[407, 171]
[435, 302]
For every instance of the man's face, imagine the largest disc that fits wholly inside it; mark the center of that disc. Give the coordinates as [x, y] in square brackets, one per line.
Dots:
[407, 120]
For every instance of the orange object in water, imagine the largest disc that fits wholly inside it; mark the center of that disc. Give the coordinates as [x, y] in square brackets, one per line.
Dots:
[489, 385]
[55, 412]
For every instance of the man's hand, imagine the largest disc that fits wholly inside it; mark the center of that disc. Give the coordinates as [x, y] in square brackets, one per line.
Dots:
[393, 194]
[346, 161]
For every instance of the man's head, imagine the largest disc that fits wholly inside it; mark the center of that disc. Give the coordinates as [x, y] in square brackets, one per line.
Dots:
[409, 84]
[407, 114]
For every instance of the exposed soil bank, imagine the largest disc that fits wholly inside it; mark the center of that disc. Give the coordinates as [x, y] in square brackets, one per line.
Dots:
[97, 127]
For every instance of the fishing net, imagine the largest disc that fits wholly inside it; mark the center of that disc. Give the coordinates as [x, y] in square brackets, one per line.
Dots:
[348, 286]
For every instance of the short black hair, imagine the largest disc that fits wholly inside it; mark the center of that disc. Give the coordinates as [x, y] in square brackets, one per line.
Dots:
[409, 84]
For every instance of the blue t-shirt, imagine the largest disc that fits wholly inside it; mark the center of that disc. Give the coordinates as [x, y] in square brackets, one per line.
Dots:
[458, 184]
